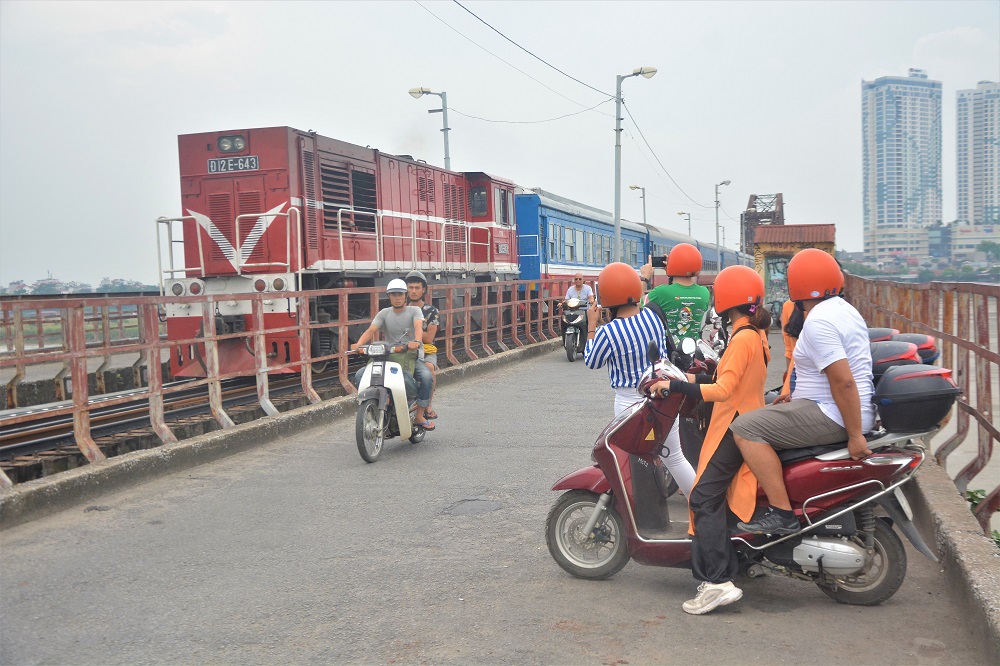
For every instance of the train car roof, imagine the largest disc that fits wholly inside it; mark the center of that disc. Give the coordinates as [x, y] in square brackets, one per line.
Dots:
[669, 235]
[556, 202]
[500, 179]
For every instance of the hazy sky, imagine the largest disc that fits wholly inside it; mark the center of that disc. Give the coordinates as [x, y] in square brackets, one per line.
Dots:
[767, 95]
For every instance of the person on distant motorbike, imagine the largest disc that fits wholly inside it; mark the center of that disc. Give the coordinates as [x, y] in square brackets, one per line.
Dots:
[622, 345]
[832, 397]
[402, 324]
[684, 302]
[792, 319]
[723, 482]
[580, 290]
[416, 290]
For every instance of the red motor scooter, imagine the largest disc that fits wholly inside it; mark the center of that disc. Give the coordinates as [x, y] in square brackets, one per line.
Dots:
[618, 509]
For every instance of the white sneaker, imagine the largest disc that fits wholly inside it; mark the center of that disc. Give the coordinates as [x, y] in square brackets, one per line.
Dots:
[711, 596]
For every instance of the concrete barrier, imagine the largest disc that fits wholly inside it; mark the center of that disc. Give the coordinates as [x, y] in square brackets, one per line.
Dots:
[970, 560]
[48, 495]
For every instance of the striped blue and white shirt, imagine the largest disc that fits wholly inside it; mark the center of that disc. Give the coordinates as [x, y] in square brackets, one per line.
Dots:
[622, 346]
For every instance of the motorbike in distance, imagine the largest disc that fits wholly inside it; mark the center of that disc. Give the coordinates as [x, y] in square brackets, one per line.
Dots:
[384, 410]
[574, 326]
[611, 512]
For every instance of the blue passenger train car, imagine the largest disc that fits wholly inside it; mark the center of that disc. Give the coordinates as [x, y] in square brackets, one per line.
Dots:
[558, 238]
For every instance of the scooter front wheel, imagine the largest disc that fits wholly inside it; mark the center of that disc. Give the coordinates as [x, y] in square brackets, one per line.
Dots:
[569, 342]
[367, 430]
[595, 556]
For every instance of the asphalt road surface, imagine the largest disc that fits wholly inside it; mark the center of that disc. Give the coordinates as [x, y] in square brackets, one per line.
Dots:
[299, 552]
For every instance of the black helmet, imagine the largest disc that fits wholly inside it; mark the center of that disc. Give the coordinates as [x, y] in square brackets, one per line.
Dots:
[414, 276]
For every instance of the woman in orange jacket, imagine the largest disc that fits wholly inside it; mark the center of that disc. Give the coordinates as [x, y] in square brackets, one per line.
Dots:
[723, 482]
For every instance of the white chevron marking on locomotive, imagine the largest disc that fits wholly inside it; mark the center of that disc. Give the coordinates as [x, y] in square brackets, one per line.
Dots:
[249, 245]
[205, 222]
[263, 222]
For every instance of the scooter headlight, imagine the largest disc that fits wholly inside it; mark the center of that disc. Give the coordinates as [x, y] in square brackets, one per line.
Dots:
[376, 350]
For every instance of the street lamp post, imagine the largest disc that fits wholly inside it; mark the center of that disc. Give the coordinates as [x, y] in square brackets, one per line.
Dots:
[417, 93]
[689, 221]
[645, 72]
[643, 197]
[718, 248]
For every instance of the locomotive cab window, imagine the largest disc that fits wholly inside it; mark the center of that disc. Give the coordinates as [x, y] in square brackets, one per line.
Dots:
[503, 206]
[478, 202]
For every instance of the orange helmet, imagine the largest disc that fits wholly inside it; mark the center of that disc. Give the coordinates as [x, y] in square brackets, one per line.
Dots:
[737, 285]
[814, 273]
[684, 260]
[619, 284]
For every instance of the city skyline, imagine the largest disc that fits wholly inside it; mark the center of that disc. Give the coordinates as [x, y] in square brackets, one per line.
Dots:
[94, 95]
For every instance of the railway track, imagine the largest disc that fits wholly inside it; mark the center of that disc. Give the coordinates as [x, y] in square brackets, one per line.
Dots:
[46, 444]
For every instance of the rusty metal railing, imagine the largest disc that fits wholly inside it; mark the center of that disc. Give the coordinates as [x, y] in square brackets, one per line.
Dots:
[965, 319]
[476, 319]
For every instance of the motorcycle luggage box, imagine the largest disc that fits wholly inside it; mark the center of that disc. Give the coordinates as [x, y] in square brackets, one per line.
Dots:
[914, 399]
[881, 334]
[890, 353]
[926, 345]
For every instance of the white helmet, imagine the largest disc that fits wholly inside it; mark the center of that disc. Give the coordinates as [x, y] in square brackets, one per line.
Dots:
[395, 286]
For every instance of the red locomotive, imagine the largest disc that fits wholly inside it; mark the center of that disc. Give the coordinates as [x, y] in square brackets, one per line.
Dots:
[277, 209]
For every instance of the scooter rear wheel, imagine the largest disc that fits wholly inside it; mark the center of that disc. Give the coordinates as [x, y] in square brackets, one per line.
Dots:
[884, 575]
[367, 432]
[594, 557]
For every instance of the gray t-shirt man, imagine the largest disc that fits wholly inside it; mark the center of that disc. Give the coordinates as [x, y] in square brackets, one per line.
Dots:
[398, 327]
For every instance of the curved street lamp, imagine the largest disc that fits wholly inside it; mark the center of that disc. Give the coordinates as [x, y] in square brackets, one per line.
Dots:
[417, 93]
[643, 197]
[645, 72]
[689, 221]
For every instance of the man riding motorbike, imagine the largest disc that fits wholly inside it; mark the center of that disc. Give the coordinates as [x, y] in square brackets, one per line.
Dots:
[416, 290]
[402, 323]
[832, 398]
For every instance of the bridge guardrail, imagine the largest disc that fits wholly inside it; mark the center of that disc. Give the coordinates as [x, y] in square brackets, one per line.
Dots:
[476, 318]
[965, 318]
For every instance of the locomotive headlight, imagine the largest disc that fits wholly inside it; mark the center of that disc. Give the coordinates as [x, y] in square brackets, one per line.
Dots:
[177, 289]
[278, 284]
[232, 144]
[260, 284]
[195, 288]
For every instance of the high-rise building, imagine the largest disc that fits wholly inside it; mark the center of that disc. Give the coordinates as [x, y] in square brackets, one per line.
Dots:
[901, 121]
[979, 154]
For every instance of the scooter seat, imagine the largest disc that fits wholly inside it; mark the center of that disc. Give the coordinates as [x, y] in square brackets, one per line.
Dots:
[788, 456]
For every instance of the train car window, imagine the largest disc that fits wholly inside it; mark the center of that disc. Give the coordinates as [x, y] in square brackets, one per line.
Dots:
[588, 248]
[579, 245]
[606, 249]
[570, 254]
[478, 202]
[510, 209]
[552, 240]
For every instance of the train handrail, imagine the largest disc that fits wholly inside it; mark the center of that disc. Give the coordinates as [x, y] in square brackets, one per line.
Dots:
[169, 223]
[238, 244]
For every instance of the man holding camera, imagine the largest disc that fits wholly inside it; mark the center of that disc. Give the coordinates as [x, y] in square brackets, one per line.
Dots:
[683, 301]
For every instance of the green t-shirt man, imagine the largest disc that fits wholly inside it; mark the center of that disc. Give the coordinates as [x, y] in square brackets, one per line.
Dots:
[684, 306]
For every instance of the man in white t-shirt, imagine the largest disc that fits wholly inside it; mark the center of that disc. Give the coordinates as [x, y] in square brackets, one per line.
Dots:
[831, 394]
[580, 290]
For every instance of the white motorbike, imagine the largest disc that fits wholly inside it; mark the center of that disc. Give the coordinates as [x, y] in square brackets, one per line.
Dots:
[384, 411]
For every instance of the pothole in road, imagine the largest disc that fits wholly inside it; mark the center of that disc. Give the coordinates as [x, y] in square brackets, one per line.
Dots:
[471, 506]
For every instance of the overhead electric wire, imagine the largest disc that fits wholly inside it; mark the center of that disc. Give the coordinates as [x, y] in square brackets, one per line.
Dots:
[548, 64]
[509, 64]
[529, 122]
[653, 152]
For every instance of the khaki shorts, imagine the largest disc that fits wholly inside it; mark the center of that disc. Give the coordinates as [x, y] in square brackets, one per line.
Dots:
[790, 425]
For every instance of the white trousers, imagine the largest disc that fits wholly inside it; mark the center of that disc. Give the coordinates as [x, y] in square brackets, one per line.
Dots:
[674, 460]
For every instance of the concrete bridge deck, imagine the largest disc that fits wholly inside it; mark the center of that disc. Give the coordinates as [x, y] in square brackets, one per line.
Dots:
[297, 551]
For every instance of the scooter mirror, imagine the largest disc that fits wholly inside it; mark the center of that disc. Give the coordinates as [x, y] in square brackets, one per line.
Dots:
[653, 353]
[688, 346]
